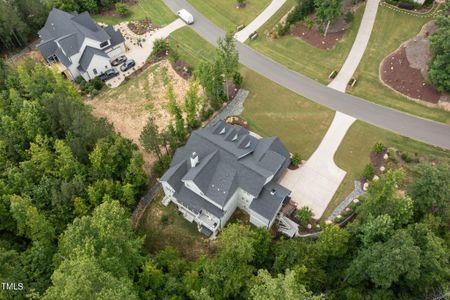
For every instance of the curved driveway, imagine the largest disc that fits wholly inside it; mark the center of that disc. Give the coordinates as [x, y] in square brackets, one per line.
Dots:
[427, 131]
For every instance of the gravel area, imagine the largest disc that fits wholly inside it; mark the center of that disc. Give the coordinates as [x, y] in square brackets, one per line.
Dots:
[353, 195]
[234, 108]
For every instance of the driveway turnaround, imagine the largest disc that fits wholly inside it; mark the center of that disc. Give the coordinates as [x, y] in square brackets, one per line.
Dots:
[359, 46]
[270, 10]
[414, 127]
[140, 54]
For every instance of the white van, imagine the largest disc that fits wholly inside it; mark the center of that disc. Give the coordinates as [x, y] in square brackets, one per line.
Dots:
[185, 16]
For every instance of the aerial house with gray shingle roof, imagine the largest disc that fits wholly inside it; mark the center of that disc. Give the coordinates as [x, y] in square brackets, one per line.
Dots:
[223, 167]
[77, 45]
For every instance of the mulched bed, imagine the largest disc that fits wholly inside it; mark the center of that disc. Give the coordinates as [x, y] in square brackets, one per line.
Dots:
[315, 38]
[292, 167]
[182, 68]
[399, 75]
[232, 90]
[141, 27]
[377, 160]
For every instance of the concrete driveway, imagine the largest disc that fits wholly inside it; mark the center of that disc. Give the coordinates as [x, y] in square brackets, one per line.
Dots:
[140, 54]
[259, 21]
[315, 182]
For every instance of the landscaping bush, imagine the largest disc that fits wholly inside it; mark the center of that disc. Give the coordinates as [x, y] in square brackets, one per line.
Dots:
[92, 87]
[205, 114]
[368, 172]
[237, 79]
[406, 158]
[122, 9]
[282, 29]
[164, 219]
[296, 159]
[304, 215]
[300, 12]
[159, 46]
[378, 148]
[349, 17]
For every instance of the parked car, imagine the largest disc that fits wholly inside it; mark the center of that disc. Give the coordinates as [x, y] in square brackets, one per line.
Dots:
[108, 74]
[127, 65]
[185, 16]
[119, 60]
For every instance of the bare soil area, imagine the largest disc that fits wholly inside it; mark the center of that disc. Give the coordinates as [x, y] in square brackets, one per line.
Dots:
[406, 69]
[129, 106]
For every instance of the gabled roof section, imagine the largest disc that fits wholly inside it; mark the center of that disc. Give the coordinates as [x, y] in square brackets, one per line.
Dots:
[116, 37]
[87, 56]
[71, 43]
[269, 200]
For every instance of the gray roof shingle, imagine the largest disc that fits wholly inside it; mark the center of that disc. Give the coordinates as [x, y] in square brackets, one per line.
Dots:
[87, 56]
[269, 200]
[222, 169]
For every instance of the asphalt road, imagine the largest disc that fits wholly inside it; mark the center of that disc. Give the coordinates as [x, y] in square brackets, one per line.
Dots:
[414, 127]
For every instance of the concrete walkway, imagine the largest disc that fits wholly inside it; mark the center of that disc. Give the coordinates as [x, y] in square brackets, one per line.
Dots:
[140, 54]
[359, 46]
[315, 182]
[270, 10]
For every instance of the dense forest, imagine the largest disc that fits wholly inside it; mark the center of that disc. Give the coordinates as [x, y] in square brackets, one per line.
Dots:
[20, 20]
[68, 184]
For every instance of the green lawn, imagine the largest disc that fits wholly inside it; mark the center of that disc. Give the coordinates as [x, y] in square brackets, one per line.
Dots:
[225, 14]
[155, 10]
[354, 153]
[175, 232]
[270, 109]
[301, 56]
[391, 29]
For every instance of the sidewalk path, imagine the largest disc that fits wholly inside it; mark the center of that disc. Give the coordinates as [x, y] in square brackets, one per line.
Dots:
[359, 46]
[140, 54]
[270, 10]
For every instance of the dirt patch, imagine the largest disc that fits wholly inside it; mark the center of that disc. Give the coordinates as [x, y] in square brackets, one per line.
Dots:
[129, 106]
[182, 68]
[315, 38]
[141, 27]
[377, 160]
[397, 73]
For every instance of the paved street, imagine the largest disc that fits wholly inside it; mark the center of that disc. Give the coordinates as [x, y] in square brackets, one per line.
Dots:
[430, 132]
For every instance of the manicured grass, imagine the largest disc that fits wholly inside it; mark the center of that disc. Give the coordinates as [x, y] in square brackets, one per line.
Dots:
[225, 14]
[175, 232]
[354, 153]
[155, 10]
[301, 56]
[270, 109]
[391, 29]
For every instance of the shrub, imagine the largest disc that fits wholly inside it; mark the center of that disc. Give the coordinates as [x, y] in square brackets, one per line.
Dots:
[164, 219]
[296, 159]
[122, 9]
[304, 215]
[97, 83]
[205, 114]
[94, 92]
[378, 148]
[406, 158]
[237, 79]
[282, 29]
[368, 172]
[349, 17]
[161, 165]
[159, 46]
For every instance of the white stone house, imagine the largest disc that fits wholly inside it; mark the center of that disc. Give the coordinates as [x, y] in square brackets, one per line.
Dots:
[77, 45]
[223, 167]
